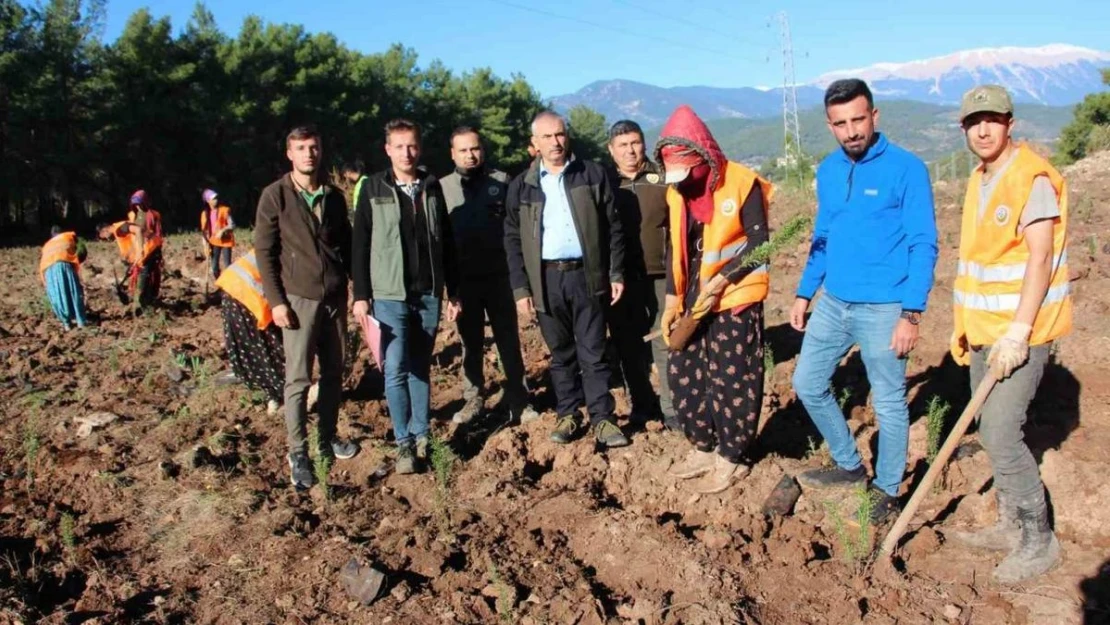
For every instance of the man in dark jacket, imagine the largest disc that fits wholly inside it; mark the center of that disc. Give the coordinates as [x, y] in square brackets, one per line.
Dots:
[475, 197]
[302, 239]
[566, 252]
[404, 258]
[642, 202]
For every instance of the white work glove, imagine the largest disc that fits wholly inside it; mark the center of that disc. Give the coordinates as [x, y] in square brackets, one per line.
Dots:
[1012, 350]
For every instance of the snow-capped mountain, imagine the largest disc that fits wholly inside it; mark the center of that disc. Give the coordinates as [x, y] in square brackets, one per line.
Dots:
[1055, 74]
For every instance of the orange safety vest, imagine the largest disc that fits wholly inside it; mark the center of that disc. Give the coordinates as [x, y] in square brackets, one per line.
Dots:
[223, 218]
[723, 239]
[59, 249]
[242, 281]
[152, 235]
[993, 257]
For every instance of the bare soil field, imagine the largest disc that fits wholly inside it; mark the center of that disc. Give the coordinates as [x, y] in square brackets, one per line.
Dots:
[179, 510]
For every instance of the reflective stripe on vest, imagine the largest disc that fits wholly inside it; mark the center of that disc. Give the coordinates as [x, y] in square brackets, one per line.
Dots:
[1003, 273]
[242, 272]
[1008, 302]
[727, 253]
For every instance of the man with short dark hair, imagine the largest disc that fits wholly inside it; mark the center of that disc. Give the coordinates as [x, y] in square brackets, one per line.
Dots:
[1011, 302]
[302, 242]
[873, 251]
[566, 252]
[642, 202]
[475, 196]
[404, 259]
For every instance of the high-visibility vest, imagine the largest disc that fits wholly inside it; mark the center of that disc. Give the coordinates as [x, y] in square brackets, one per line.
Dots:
[723, 239]
[152, 233]
[223, 219]
[243, 282]
[993, 257]
[59, 249]
[125, 241]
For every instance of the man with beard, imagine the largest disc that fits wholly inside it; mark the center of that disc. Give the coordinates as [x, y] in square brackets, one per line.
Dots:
[1011, 302]
[475, 196]
[873, 251]
[641, 199]
[565, 250]
[302, 241]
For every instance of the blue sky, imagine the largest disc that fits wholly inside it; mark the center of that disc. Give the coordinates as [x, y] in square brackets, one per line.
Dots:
[560, 47]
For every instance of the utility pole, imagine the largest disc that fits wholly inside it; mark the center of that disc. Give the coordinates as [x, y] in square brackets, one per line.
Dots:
[790, 127]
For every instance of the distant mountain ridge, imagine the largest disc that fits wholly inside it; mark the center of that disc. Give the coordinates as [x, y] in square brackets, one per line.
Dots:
[1054, 75]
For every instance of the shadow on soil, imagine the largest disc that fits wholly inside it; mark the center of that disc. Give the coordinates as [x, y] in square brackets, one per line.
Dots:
[1096, 596]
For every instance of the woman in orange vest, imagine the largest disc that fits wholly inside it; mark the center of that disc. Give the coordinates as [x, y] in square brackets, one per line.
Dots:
[253, 342]
[1011, 301]
[217, 230]
[140, 247]
[59, 271]
[718, 215]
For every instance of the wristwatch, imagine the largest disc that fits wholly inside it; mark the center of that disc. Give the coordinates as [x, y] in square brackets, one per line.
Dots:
[913, 316]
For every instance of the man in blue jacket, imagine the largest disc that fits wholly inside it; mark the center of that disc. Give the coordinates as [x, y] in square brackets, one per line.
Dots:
[874, 248]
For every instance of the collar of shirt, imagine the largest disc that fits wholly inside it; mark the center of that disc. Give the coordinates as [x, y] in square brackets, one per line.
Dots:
[544, 171]
[411, 189]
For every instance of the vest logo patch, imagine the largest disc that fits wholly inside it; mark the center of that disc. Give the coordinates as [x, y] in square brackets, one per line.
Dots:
[653, 178]
[1002, 215]
[728, 207]
[494, 191]
[871, 192]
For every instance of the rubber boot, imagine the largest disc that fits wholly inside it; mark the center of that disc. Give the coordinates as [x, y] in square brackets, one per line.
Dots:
[1037, 550]
[1002, 536]
[697, 463]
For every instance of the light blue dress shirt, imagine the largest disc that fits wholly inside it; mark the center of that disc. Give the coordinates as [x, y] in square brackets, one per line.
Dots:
[560, 237]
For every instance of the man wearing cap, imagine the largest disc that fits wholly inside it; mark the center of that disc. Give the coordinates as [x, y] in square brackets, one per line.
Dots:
[565, 249]
[642, 202]
[475, 196]
[1011, 302]
[217, 229]
[873, 252]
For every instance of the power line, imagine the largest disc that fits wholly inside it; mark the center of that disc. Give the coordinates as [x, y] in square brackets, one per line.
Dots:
[677, 19]
[617, 29]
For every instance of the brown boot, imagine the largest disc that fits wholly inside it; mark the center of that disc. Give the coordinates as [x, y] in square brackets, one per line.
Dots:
[696, 463]
[723, 475]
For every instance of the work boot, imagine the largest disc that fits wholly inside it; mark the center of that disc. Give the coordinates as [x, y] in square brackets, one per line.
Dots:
[1037, 550]
[300, 471]
[832, 477]
[886, 506]
[697, 463]
[723, 474]
[406, 461]
[527, 414]
[472, 408]
[565, 429]
[422, 448]
[1002, 536]
[609, 434]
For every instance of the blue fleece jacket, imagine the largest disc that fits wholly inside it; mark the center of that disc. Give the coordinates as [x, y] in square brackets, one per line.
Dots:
[875, 240]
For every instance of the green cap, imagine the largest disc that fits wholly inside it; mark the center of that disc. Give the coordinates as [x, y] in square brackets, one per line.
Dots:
[986, 99]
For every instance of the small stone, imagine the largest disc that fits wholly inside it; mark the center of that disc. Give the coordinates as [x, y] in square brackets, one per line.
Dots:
[86, 424]
[159, 599]
[284, 602]
[236, 561]
[952, 612]
[401, 592]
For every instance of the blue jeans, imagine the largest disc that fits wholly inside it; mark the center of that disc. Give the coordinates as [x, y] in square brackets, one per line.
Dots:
[408, 337]
[833, 328]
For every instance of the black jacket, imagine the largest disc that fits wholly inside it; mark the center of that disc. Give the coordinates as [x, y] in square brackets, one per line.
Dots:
[594, 209]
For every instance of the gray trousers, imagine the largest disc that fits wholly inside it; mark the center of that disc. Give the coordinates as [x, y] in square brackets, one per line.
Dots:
[659, 351]
[491, 297]
[1001, 423]
[321, 329]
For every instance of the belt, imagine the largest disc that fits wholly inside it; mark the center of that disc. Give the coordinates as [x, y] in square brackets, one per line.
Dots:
[568, 264]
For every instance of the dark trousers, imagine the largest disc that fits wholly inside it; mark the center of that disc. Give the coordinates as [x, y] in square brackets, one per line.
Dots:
[574, 329]
[718, 382]
[491, 297]
[217, 256]
[629, 320]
